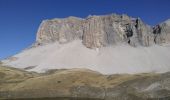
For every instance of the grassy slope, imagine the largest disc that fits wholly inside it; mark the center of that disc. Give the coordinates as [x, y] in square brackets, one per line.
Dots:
[64, 83]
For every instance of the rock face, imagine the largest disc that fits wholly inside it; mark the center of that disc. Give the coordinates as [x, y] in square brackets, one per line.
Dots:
[162, 32]
[99, 31]
[61, 30]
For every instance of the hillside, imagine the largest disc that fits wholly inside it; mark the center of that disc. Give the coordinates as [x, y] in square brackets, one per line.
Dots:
[83, 84]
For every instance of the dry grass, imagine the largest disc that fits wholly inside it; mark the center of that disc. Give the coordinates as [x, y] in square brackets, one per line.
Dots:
[14, 79]
[61, 81]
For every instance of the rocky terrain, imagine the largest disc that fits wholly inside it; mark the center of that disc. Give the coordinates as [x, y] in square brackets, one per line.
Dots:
[99, 31]
[82, 84]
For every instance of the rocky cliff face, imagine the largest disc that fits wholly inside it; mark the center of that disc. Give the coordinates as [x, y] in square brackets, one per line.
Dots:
[99, 31]
[61, 30]
[162, 32]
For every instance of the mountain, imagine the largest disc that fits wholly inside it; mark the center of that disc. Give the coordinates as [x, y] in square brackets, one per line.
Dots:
[109, 57]
[108, 44]
[100, 31]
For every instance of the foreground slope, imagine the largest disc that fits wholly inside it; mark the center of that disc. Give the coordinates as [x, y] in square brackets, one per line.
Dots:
[82, 83]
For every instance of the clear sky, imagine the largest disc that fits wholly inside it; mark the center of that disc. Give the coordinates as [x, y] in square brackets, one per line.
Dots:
[19, 19]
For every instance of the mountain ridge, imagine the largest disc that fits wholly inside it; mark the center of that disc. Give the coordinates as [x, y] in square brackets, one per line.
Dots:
[108, 44]
[99, 31]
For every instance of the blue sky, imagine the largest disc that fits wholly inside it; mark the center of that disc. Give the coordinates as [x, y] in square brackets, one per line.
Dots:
[19, 19]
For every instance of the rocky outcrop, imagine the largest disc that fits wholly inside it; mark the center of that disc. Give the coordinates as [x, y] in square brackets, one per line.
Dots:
[162, 32]
[99, 31]
[61, 30]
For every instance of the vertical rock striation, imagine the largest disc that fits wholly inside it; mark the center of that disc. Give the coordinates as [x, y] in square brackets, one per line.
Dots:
[99, 31]
[61, 30]
[162, 32]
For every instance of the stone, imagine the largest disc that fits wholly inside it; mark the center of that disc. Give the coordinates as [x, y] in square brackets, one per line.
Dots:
[162, 32]
[61, 30]
[100, 31]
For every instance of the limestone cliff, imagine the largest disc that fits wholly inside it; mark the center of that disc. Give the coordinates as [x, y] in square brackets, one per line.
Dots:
[162, 32]
[61, 30]
[99, 31]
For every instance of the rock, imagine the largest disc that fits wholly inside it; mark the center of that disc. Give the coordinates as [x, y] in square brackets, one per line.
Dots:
[162, 32]
[100, 31]
[61, 30]
[144, 33]
[93, 34]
